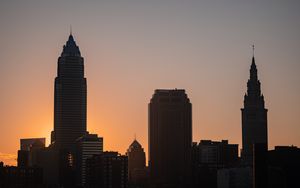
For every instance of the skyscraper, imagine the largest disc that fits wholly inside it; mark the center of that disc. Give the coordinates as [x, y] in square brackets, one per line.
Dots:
[254, 117]
[69, 97]
[170, 138]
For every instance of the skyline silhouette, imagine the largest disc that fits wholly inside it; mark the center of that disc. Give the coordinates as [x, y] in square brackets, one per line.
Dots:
[126, 64]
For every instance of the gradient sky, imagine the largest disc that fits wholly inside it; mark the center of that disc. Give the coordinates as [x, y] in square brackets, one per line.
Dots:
[132, 47]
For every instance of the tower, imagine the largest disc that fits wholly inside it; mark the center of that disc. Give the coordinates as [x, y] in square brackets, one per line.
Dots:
[170, 138]
[70, 93]
[254, 117]
[136, 162]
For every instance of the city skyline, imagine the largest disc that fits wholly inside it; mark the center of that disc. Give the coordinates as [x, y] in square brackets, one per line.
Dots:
[120, 88]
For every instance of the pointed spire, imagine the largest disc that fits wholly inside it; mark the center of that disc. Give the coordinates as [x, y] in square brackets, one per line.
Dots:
[253, 62]
[253, 69]
[253, 59]
[70, 29]
[70, 48]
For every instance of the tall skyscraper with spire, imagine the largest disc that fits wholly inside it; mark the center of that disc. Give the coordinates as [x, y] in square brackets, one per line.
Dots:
[69, 97]
[254, 117]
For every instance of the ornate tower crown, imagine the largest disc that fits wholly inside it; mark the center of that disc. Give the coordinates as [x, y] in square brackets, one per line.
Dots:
[70, 48]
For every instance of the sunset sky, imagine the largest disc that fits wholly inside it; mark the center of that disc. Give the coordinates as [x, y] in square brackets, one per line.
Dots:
[132, 47]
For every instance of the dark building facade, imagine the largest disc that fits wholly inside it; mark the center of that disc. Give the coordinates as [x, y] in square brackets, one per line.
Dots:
[28, 143]
[216, 154]
[137, 172]
[284, 165]
[86, 146]
[107, 170]
[28, 153]
[260, 165]
[170, 138]
[209, 156]
[25, 177]
[70, 97]
[70, 111]
[254, 117]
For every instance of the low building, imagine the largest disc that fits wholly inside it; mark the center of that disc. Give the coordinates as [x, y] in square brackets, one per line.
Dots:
[107, 170]
[25, 177]
[29, 147]
[284, 162]
[209, 156]
[87, 146]
[216, 154]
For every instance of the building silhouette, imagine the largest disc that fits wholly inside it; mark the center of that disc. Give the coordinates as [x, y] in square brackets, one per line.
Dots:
[28, 153]
[170, 138]
[235, 177]
[70, 97]
[137, 171]
[254, 117]
[210, 156]
[107, 170]
[260, 165]
[25, 177]
[87, 146]
[284, 165]
[28, 143]
[217, 154]
[63, 162]
[70, 93]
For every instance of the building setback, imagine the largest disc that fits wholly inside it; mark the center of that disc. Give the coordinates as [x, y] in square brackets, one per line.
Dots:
[170, 138]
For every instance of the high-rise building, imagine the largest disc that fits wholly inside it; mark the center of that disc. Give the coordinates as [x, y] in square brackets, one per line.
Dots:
[107, 170]
[170, 138]
[254, 117]
[70, 93]
[87, 146]
[137, 172]
[70, 97]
